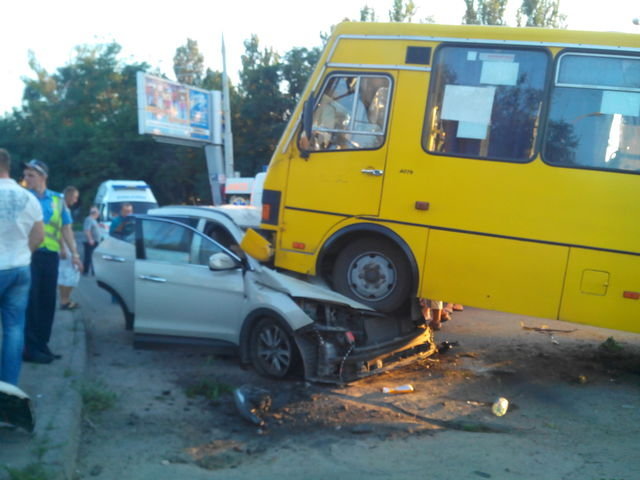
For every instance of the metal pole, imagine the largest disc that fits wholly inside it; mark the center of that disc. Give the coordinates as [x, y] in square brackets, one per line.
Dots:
[226, 112]
[214, 151]
[213, 154]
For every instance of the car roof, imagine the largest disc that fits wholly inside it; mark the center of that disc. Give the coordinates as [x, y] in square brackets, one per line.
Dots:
[243, 216]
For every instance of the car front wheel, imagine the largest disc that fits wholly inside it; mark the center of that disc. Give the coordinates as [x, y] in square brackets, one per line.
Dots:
[271, 348]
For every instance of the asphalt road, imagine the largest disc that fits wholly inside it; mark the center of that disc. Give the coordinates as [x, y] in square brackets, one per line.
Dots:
[574, 409]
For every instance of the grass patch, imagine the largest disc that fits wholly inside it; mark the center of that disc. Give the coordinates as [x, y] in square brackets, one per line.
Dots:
[611, 345]
[96, 397]
[34, 471]
[210, 389]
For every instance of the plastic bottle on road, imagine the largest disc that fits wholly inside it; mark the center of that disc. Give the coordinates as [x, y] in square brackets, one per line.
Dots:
[408, 388]
[500, 407]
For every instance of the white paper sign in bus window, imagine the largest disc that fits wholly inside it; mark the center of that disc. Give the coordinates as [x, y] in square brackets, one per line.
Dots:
[471, 107]
[499, 73]
[473, 130]
[623, 103]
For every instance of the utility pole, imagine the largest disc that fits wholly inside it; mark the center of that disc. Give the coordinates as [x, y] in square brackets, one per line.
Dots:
[226, 112]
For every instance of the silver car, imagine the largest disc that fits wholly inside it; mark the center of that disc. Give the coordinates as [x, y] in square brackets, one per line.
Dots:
[180, 276]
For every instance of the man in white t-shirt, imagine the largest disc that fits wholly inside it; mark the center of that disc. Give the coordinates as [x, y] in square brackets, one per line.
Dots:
[21, 231]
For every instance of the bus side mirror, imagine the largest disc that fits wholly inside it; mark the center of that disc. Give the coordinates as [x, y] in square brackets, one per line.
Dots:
[256, 246]
[307, 125]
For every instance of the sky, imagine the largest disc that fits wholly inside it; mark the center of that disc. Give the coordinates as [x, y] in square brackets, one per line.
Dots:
[150, 31]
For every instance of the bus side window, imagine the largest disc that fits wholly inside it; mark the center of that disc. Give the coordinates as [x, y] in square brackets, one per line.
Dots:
[351, 114]
[594, 118]
[485, 102]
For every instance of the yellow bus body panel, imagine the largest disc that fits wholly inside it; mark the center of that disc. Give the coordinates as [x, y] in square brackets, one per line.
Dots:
[595, 290]
[528, 238]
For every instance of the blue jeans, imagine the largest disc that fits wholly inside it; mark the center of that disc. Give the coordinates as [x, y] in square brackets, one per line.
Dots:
[14, 296]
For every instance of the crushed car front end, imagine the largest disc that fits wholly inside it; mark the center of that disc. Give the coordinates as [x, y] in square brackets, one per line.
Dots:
[344, 344]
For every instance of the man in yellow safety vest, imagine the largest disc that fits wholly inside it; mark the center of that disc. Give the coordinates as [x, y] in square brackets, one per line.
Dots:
[44, 264]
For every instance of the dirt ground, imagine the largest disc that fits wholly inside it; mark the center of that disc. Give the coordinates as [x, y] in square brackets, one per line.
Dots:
[574, 409]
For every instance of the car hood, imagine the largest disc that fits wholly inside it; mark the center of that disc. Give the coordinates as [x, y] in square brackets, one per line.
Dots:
[301, 289]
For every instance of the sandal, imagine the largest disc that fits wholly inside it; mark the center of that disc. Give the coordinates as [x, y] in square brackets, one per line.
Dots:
[69, 306]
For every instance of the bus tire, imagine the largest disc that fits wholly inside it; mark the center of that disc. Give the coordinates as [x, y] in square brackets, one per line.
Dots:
[373, 271]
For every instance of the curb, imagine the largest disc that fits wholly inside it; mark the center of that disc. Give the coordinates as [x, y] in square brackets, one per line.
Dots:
[54, 390]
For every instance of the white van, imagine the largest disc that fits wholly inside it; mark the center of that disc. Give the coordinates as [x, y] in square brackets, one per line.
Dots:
[113, 193]
[237, 190]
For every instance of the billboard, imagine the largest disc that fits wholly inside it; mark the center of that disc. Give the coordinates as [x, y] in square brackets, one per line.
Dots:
[170, 109]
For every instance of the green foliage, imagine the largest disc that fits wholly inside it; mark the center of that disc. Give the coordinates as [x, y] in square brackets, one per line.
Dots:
[402, 11]
[188, 64]
[541, 13]
[484, 12]
[210, 389]
[611, 345]
[96, 397]
[367, 14]
[33, 471]
[263, 108]
[82, 121]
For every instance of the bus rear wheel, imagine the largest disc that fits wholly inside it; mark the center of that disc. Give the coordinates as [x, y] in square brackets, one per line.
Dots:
[374, 272]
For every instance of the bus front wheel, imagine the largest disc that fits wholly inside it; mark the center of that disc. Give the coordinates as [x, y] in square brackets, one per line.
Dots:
[374, 272]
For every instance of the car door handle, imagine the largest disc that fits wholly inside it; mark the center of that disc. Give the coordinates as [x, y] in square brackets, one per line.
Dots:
[372, 171]
[152, 278]
[111, 258]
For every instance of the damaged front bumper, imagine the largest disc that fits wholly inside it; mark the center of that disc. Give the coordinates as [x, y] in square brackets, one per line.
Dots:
[344, 345]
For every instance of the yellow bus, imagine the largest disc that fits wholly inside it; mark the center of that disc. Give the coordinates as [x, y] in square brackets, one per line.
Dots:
[490, 166]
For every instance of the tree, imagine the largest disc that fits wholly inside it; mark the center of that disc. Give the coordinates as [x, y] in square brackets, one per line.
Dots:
[402, 11]
[297, 67]
[541, 13]
[263, 108]
[367, 14]
[82, 120]
[484, 12]
[188, 64]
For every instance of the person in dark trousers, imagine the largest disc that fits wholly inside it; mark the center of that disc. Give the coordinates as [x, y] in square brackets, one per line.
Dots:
[91, 238]
[21, 231]
[44, 264]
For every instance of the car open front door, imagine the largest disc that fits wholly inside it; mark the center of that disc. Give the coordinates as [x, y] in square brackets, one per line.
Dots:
[176, 292]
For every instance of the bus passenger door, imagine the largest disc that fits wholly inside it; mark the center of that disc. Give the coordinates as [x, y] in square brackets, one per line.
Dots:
[343, 172]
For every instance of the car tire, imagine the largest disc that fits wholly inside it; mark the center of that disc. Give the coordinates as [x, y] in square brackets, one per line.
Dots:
[128, 320]
[272, 349]
[374, 272]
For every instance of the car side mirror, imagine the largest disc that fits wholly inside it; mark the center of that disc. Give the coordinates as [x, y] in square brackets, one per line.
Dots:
[222, 261]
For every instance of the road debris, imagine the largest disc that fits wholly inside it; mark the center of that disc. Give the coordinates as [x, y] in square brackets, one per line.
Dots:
[545, 329]
[15, 407]
[476, 403]
[408, 388]
[500, 407]
[252, 403]
[445, 346]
